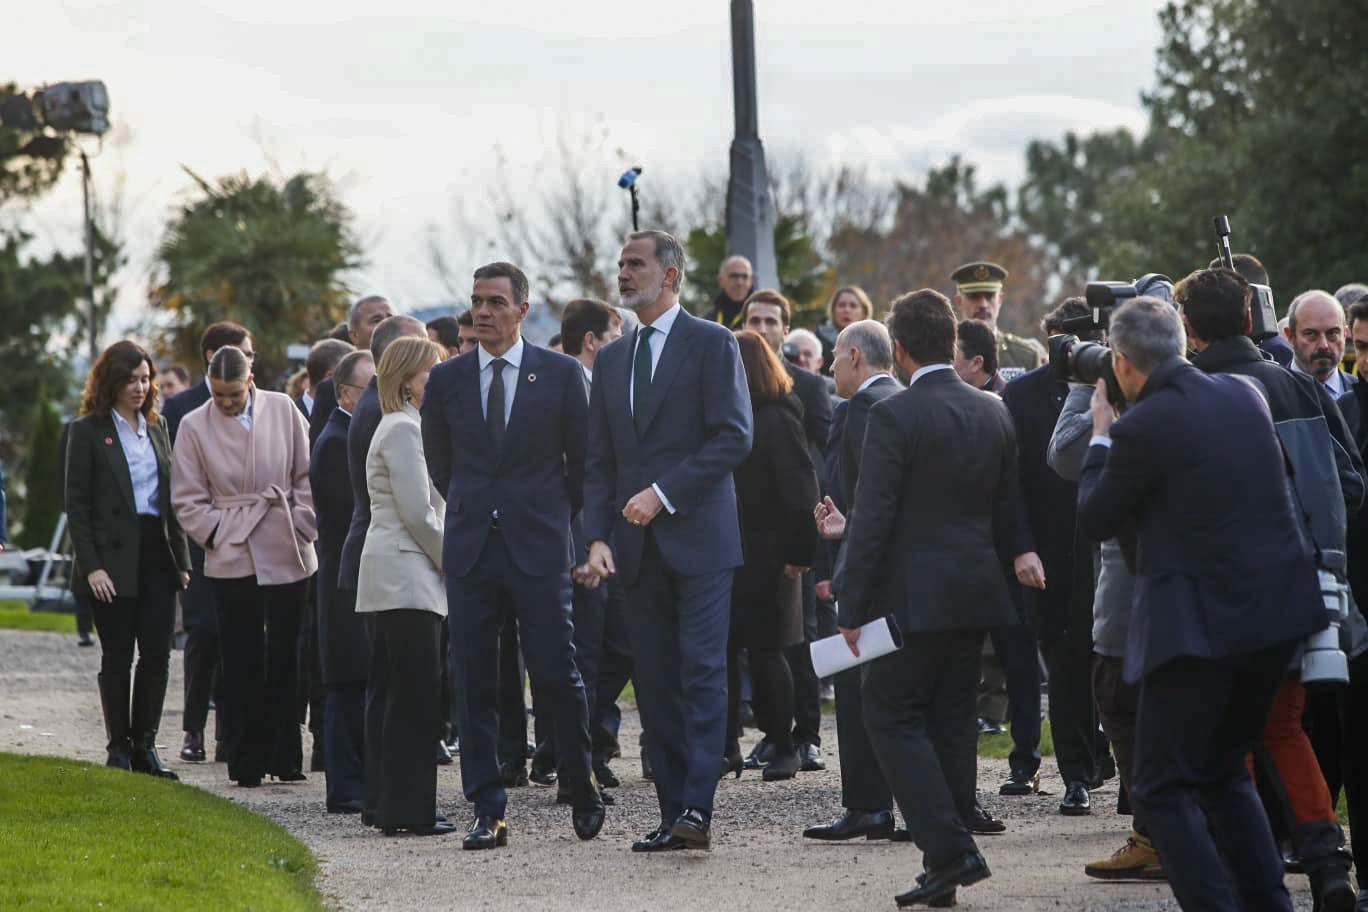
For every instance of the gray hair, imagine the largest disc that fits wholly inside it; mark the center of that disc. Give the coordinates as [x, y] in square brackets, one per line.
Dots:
[1351, 294]
[872, 339]
[1312, 295]
[345, 372]
[354, 319]
[392, 328]
[629, 320]
[1148, 332]
[669, 254]
[807, 336]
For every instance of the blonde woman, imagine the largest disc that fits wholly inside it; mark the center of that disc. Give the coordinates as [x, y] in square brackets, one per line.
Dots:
[400, 588]
[848, 304]
[240, 487]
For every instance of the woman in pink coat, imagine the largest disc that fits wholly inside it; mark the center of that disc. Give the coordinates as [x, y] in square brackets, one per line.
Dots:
[240, 488]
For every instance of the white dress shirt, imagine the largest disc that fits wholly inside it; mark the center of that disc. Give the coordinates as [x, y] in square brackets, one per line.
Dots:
[513, 361]
[662, 326]
[930, 368]
[244, 417]
[308, 401]
[142, 463]
[870, 380]
[588, 374]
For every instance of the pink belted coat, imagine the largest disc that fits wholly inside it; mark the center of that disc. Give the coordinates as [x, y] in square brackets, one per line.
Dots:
[247, 490]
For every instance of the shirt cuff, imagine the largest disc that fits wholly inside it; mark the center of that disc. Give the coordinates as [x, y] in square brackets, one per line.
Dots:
[1100, 440]
[669, 507]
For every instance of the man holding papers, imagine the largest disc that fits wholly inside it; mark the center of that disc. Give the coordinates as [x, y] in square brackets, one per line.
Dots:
[928, 537]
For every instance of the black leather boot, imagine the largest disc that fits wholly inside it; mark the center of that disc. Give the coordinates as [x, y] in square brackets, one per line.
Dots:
[114, 702]
[149, 693]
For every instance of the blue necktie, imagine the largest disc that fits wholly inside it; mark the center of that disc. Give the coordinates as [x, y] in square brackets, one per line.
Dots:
[494, 408]
[641, 379]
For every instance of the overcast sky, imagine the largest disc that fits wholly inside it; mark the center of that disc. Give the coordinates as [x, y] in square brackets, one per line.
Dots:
[404, 102]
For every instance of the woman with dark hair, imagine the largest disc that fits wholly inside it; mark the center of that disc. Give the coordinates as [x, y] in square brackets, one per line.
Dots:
[848, 304]
[240, 486]
[776, 488]
[131, 555]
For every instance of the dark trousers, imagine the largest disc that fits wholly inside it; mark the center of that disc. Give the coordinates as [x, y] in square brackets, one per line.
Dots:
[401, 716]
[1015, 647]
[772, 688]
[1196, 723]
[259, 638]
[203, 678]
[1073, 709]
[344, 730]
[1116, 706]
[85, 613]
[863, 787]
[309, 683]
[678, 626]
[512, 678]
[588, 611]
[148, 622]
[1337, 722]
[919, 711]
[807, 690]
[615, 670]
[543, 609]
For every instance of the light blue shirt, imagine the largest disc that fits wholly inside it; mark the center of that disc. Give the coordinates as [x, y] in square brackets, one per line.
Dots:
[662, 326]
[141, 457]
[244, 417]
[513, 361]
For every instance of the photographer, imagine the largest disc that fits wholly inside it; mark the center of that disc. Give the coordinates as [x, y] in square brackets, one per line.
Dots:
[1328, 475]
[1225, 589]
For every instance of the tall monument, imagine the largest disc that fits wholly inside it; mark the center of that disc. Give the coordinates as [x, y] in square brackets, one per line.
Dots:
[750, 211]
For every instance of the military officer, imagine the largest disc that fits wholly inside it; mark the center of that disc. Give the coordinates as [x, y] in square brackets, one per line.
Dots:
[978, 295]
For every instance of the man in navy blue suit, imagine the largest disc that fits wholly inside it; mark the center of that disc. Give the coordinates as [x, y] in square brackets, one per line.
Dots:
[504, 434]
[1225, 587]
[669, 419]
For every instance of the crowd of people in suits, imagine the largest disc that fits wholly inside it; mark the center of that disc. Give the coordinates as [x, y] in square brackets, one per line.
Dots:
[687, 503]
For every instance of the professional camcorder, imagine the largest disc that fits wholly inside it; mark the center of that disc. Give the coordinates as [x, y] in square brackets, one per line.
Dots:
[1263, 318]
[1076, 361]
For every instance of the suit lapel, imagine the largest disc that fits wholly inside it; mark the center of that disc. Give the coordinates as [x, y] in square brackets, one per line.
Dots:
[162, 445]
[671, 357]
[468, 397]
[522, 396]
[118, 463]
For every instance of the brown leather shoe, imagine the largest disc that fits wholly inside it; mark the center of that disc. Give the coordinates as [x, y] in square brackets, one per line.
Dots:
[192, 751]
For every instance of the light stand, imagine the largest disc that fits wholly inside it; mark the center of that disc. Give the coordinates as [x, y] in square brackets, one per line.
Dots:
[628, 183]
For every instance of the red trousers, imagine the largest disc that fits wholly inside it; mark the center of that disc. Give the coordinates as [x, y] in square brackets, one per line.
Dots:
[1293, 758]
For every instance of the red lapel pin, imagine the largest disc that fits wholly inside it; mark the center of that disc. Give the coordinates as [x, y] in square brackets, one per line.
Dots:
[109, 441]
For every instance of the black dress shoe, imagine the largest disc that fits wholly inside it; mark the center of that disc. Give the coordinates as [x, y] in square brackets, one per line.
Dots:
[760, 755]
[783, 765]
[249, 782]
[937, 886]
[486, 833]
[144, 758]
[810, 758]
[588, 814]
[1076, 802]
[83, 639]
[345, 807]
[192, 750]
[982, 823]
[692, 827]
[989, 727]
[120, 757]
[438, 828]
[514, 775]
[604, 774]
[658, 840]
[852, 825]
[291, 776]
[1019, 784]
[444, 757]
[732, 765]
[542, 775]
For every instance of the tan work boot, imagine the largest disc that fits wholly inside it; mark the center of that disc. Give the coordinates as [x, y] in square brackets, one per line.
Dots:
[1136, 860]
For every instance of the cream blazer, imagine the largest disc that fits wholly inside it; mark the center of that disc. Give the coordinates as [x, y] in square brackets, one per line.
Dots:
[248, 490]
[402, 557]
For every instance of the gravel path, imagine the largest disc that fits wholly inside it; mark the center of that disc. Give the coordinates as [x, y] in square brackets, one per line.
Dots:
[49, 705]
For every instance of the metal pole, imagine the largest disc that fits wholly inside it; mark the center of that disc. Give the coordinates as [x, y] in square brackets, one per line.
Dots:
[89, 257]
[636, 207]
[750, 211]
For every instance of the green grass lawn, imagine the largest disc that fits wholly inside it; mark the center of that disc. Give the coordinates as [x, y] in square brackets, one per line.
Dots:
[1000, 746]
[17, 616]
[77, 836]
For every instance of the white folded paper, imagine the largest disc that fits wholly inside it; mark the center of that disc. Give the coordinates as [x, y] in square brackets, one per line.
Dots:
[877, 638]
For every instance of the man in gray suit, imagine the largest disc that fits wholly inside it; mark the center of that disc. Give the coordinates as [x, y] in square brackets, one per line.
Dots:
[927, 542]
[669, 420]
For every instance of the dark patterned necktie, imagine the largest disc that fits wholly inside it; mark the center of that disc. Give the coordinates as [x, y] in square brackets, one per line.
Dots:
[641, 379]
[494, 408]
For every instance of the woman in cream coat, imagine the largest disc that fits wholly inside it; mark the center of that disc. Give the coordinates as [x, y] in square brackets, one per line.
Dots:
[240, 488]
[400, 588]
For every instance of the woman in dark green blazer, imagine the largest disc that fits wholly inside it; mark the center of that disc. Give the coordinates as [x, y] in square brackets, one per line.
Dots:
[131, 555]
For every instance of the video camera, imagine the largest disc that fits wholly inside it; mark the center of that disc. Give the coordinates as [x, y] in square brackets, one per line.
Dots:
[1263, 317]
[1075, 361]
